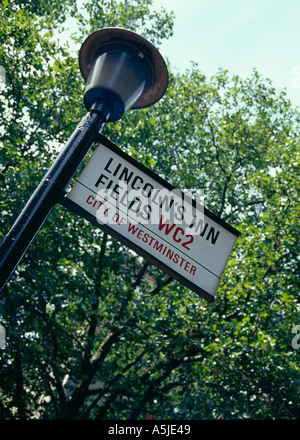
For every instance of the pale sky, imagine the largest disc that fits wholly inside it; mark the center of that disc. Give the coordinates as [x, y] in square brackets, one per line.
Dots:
[238, 35]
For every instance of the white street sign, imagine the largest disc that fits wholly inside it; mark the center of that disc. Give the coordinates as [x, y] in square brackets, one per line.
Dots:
[156, 220]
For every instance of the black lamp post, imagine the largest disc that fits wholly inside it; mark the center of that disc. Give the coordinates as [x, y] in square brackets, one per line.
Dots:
[123, 71]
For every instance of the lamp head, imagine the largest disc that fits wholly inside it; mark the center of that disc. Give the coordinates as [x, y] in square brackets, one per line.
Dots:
[122, 70]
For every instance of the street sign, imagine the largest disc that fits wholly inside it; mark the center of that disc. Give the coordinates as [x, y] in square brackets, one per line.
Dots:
[159, 222]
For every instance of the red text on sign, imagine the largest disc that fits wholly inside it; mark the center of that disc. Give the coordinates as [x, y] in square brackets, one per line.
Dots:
[178, 233]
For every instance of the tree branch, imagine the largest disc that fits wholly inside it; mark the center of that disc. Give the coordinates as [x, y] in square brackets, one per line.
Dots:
[161, 285]
[92, 362]
[102, 391]
[19, 390]
[94, 307]
[216, 148]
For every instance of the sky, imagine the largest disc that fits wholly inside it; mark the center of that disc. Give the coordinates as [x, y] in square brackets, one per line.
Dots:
[238, 35]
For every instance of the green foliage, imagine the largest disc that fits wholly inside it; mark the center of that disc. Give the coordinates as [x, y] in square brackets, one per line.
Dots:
[93, 331]
[138, 16]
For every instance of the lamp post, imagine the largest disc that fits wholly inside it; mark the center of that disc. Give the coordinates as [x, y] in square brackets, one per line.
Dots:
[122, 71]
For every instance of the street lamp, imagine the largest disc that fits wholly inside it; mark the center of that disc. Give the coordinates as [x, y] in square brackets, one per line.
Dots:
[122, 70]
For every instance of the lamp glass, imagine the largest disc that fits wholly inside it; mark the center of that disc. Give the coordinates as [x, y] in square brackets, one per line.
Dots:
[119, 74]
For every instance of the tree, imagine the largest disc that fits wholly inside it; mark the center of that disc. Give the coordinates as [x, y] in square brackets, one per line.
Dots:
[93, 330]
